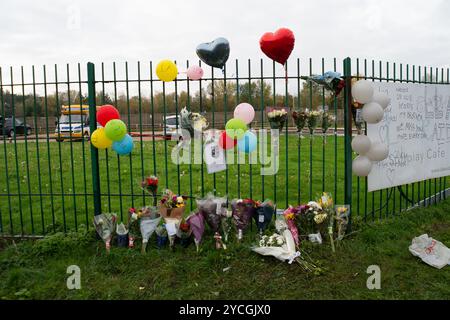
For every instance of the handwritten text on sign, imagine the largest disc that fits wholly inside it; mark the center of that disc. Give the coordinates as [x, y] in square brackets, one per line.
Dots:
[416, 127]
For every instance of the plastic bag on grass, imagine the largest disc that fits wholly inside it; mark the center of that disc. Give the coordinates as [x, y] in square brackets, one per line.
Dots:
[431, 251]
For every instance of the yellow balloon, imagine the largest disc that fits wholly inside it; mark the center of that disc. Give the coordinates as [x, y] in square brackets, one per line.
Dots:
[100, 140]
[166, 70]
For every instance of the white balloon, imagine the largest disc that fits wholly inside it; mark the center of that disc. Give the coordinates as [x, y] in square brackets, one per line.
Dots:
[382, 99]
[361, 144]
[372, 112]
[361, 166]
[362, 91]
[378, 151]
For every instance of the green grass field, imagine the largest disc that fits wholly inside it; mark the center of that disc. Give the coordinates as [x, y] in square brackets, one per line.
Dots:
[37, 270]
[42, 185]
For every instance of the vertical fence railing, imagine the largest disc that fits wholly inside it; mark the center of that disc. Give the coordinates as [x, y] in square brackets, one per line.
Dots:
[94, 151]
[47, 185]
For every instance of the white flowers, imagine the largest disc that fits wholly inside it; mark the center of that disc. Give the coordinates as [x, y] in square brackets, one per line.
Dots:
[277, 113]
[274, 240]
[134, 216]
[314, 207]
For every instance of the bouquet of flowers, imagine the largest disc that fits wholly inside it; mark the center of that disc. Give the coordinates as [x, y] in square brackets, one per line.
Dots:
[226, 224]
[327, 121]
[213, 209]
[316, 212]
[300, 118]
[197, 223]
[290, 215]
[161, 235]
[219, 243]
[341, 217]
[326, 202]
[150, 185]
[242, 210]
[277, 117]
[185, 234]
[105, 225]
[264, 214]
[122, 235]
[282, 246]
[313, 120]
[192, 121]
[132, 226]
[172, 205]
[149, 220]
[330, 80]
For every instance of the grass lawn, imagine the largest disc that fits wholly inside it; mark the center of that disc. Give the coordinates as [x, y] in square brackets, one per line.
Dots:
[37, 270]
[49, 184]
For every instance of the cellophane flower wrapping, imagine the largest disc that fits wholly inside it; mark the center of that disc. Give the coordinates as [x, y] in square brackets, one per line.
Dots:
[314, 118]
[264, 214]
[226, 225]
[327, 121]
[192, 121]
[331, 81]
[133, 223]
[300, 118]
[147, 226]
[212, 208]
[242, 210]
[150, 185]
[172, 205]
[284, 252]
[105, 225]
[290, 215]
[197, 224]
[341, 220]
[277, 117]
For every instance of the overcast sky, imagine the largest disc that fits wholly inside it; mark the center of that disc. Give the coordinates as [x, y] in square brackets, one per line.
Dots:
[68, 31]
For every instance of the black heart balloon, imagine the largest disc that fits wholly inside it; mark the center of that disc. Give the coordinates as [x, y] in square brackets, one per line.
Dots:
[215, 53]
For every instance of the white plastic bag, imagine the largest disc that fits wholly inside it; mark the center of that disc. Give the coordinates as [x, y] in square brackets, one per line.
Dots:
[431, 251]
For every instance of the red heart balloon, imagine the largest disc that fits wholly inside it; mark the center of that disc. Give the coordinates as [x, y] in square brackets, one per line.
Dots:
[279, 45]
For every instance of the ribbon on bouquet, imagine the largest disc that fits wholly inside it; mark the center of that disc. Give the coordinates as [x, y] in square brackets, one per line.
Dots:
[294, 256]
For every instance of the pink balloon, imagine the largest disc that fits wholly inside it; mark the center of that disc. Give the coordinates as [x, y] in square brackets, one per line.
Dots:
[195, 73]
[245, 112]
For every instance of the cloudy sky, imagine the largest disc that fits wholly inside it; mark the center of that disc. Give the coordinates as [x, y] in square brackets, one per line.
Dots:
[68, 31]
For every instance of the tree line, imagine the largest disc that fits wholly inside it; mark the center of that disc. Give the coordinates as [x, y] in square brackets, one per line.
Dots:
[218, 97]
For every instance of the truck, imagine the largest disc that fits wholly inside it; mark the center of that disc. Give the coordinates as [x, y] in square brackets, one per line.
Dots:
[73, 123]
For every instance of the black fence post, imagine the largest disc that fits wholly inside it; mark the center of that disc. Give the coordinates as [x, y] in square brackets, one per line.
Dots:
[348, 137]
[92, 127]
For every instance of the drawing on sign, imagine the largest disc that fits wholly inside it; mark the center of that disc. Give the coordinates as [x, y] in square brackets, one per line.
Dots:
[416, 126]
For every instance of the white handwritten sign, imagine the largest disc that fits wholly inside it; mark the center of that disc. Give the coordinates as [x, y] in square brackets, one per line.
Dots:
[416, 127]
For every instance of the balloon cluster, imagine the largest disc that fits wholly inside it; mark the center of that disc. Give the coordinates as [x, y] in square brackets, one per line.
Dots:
[236, 130]
[214, 54]
[372, 112]
[277, 46]
[112, 133]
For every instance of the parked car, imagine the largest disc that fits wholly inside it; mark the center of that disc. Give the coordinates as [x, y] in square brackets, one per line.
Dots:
[8, 128]
[170, 123]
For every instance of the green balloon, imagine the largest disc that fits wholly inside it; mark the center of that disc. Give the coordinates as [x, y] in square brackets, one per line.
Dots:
[236, 128]
[115, 130]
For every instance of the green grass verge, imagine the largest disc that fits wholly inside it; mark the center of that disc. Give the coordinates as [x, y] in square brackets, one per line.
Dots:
[37, 270]
[42, 185]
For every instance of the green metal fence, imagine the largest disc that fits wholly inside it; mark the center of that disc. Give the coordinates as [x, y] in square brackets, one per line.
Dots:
[47, 185]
